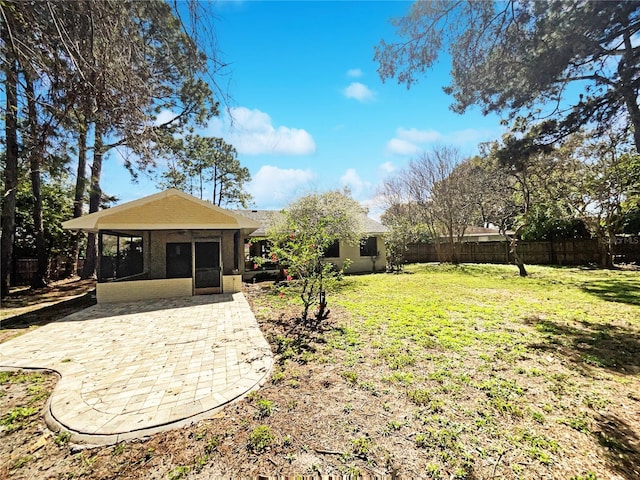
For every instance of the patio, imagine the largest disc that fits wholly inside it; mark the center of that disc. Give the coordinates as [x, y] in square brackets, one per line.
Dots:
[136, 368]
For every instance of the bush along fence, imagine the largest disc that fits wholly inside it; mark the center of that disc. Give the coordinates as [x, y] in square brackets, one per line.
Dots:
[557, 252]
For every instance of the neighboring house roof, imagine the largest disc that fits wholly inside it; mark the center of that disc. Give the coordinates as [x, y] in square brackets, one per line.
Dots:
[167, 210]
[265, 218]
[481, 230]
[481, 234]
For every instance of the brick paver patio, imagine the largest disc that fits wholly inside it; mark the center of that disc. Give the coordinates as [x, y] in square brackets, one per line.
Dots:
[132, 369]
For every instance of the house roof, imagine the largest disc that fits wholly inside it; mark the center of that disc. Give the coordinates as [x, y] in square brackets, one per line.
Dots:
[167, 210]
[265, 219]
[473, 230]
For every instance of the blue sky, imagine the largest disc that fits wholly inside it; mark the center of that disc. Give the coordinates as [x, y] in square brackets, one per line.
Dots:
[309, 110]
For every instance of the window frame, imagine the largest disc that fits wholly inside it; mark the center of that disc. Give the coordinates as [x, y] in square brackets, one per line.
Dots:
[330, 249]
[369, 247]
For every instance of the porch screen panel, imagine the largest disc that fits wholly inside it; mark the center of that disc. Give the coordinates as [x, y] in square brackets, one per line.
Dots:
[179, 260]
[207, 264]
[120, 256]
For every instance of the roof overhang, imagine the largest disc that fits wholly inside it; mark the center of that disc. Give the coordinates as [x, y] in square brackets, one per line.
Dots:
[168, 210]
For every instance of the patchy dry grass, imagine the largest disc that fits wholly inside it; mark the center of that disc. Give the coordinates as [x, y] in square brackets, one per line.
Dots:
[526, 378]
[440, 372]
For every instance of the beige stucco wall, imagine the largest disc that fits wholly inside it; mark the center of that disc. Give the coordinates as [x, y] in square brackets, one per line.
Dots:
[143, 290]
[159, 239]
[361, 264]
[231, 283]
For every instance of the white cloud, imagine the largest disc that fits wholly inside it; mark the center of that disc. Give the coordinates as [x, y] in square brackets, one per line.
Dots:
[418, 136]
[410, 141]
[273, 187]
[165, 116]
[252, 132]
[397, 146]
[359, 91]
[354, 73]
[352, 180]
[386, 168]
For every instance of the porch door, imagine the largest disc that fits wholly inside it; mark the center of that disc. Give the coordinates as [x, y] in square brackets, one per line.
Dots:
[207, 272]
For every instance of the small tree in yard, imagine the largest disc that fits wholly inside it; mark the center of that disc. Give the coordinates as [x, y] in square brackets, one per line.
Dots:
[301, 235]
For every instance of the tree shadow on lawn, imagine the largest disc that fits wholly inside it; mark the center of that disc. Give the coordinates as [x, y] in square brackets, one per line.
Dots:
[606, 346]
[297, 337]
[621, 442]
[596, 344]
[615, 290]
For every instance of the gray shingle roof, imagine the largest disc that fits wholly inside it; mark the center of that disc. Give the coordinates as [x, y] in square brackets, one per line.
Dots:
[264, 218]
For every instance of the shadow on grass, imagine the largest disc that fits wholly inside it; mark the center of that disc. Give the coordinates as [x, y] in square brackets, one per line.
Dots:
[604, 346]
[616, 290]
[51, 313]
[296, 339]
[621, 443]
[595, 344]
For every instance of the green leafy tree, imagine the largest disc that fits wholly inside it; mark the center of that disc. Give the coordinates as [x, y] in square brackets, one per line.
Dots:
[553, 67]
[605, 187]
[301, 234]
[513, 195]
[197, 162]
[403, 228]
[101, 72]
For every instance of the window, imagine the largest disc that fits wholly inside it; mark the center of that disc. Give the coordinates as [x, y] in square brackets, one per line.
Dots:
[120, 256]
[369, 247]
[333, 250]
[178, 260]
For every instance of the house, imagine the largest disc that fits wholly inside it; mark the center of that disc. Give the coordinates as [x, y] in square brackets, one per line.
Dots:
[169, 244]
[478, 234]
[484, 234]
[366, 257]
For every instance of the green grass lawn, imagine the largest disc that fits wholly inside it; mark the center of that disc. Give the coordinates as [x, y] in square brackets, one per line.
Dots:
[483, 373]
[441, 372]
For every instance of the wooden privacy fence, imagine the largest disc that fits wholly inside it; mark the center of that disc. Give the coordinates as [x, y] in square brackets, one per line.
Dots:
[559, 252]
[25, 268]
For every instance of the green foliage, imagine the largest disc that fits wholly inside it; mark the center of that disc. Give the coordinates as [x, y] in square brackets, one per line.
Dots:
[300, 236]
[543, 225]
[350, 376]
[16, 418]
[57, 200]
[21, 462]
[484, 412]
[198, 163]
[63, 438]
[587, 476]
[419, 396]
[179, 472]
[521, 58]
[362, 446]
[265, 407]
[79, 94]
[403, 228]
[260, 439]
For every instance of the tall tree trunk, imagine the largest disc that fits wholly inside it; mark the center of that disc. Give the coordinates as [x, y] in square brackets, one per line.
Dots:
[78, 201]
[36, 153]
[628, 92]
[215, 184]
[513, 250]
[11, 165]
[95, 196]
